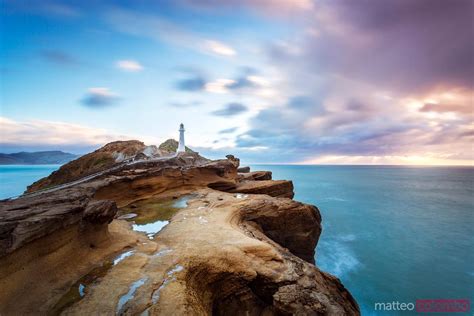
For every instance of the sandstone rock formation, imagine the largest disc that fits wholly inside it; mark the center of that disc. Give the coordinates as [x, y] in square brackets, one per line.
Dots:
[243, 169]
[276, 188]
[104, 158]
[239, 246]
[256, 175]
[96, 161]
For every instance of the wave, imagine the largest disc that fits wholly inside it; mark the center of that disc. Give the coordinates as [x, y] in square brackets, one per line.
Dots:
[348, 237]
[333, 198]
[336, 257]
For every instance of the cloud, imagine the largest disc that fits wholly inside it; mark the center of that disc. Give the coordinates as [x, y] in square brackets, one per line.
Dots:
[278, 8]
[129, 65]
[401, 37]
[228, 130]
[163, 29]
[245, 81]
[219, 48]
[231, 109]
[348, 123]
[44, 8]
[48, 135]
[59, 57]
[60, 9]
[405, 100]
[186, 104]
[218, 86]
[99, 97]
[241, 83]
[193, 83]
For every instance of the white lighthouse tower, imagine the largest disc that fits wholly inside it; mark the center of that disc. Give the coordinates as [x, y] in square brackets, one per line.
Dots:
[181, 146]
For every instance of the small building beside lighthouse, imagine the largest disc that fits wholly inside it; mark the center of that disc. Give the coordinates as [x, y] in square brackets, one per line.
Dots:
[181, 145]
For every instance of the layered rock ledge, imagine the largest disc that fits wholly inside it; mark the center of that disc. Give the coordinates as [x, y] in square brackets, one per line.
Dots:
[240, 245]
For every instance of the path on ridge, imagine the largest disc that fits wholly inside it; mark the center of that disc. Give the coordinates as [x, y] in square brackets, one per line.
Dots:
[92, 176]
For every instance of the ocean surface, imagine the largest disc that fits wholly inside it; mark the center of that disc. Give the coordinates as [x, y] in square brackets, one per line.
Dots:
[389, 233]
[15, 178]
[392, 233]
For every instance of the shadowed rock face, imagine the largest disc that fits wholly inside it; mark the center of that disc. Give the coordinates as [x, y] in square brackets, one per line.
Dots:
[274, 216]
[27, 219]
[243, 169]
[276, 188]
[241, 246]
[256, 175]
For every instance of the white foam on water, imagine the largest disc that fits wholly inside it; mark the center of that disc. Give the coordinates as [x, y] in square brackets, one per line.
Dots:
[336, 257]
[348, 237]
[333, 198]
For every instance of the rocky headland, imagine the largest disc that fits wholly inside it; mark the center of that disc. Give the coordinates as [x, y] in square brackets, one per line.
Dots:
[148, 232]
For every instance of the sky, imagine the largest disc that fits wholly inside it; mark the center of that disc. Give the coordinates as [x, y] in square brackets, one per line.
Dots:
[270, 81]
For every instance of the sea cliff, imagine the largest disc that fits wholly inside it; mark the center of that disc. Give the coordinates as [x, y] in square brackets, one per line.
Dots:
[169, 235]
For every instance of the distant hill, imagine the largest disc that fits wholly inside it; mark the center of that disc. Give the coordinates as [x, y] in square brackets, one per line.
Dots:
[36, 158]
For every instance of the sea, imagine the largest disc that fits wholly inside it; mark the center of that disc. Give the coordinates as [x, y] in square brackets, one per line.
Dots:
[390, 233]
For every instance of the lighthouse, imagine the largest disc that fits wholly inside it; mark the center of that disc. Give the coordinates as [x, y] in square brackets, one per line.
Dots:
[181, 146]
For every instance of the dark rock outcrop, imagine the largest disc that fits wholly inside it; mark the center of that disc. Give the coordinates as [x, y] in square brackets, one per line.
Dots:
[256, 175]
[243, 169]
[275, 216]
[275, 188]
[27, 219]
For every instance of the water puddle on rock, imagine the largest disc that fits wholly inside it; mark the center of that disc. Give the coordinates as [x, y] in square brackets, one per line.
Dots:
[148, 216]
[241, 196]
[130, 294]
[151, 215]
[170, 277]
[79, 289]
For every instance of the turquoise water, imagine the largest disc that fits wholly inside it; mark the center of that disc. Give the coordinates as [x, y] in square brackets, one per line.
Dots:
[392, 233]
[389, 233]
[15, 178]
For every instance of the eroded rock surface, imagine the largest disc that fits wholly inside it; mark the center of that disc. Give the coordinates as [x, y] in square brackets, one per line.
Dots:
[240, 246]
[256, 175]
[275, 188]
[28, 219]
[110, 155]
[243, 169]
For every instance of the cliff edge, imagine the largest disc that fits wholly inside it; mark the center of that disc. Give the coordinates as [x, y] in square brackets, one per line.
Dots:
[173, 236]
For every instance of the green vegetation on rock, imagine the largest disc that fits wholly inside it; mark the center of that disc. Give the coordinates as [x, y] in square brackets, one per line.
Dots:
[171, 146]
